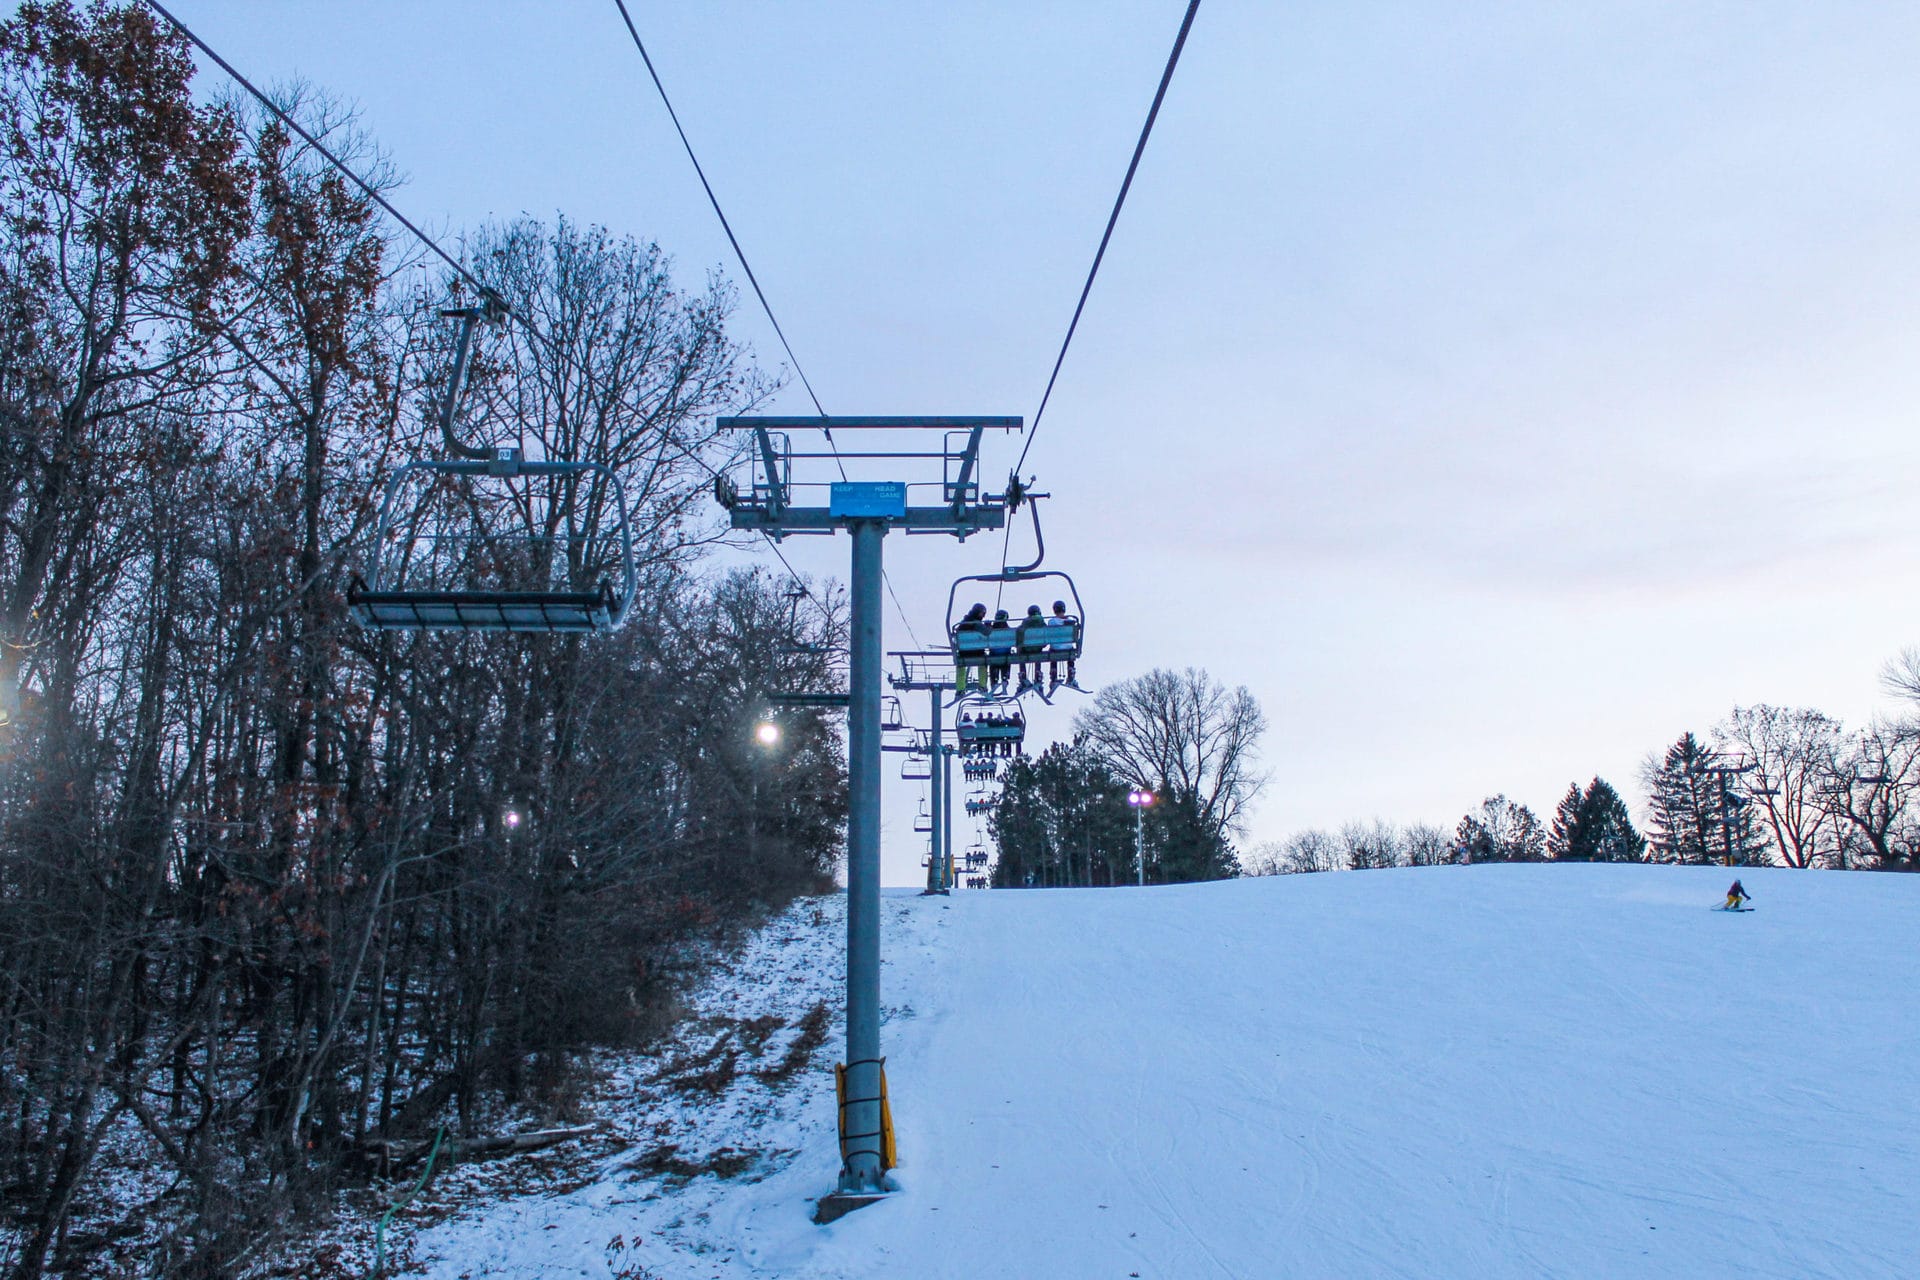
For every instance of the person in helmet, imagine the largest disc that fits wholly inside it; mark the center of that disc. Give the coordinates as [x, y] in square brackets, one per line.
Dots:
[1032, 644]
[973, 624]
[1737, 898]
[1061, 618]
[1000, 644]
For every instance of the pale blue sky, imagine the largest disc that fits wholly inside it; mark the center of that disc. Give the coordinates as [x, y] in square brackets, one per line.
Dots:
[1497, 390]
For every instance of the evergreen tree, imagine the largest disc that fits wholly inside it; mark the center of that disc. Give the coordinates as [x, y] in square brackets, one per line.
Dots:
[1062, 819]
[1564, 834]
[1695, 815]
[1683, 803]
[1500, 831]
[1528, 842]
[1594, 826]
[1182, 845]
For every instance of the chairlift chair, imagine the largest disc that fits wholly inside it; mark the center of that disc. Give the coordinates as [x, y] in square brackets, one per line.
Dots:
[489, 540]
[923, 821]
[916, 768]
[971, 731]
[893, 717]
[980, 804]
[1054, 640]
[792, 648]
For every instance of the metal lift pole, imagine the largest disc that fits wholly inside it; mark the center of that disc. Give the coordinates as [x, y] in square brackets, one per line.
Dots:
[946, 818]
[938, 881]
[866, 509]
[862, 1170]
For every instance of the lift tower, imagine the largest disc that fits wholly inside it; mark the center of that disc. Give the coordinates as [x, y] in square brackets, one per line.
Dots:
[931, 671]
[867, 509]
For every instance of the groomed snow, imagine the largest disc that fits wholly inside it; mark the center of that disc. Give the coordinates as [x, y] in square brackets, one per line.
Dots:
[1524, 1071]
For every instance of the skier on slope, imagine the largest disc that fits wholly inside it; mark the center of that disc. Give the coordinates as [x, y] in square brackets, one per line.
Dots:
[1737, 897]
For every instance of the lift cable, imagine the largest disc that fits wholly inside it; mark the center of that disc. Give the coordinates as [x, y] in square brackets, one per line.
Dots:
[746, 267]
[725, 226]
[372, 192]
[1166, 77]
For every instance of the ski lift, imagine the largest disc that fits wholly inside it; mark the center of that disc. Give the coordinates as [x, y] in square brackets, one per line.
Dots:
[986, 722]
[893, 717]
[791, 647]
[1052, 637]
[977, 805]
[489, 540]
[916, 768]
[923, 821]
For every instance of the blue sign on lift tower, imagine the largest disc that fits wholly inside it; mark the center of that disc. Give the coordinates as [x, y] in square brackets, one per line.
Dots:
[873, 499]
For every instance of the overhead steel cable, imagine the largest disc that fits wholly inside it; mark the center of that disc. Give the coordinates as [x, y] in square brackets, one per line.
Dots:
[1146, 130]
[758, 292]
[346, 171]
[553, 348]
[373, 193]
[725, 226]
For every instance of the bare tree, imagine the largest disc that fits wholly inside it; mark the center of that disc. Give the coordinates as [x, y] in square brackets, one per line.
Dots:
[1301, 853]
[1500, 831]
[1869, 790]
[1427, 846]
[1791, 749]
[1901, 676]
[1183, 733]
[1371, 846]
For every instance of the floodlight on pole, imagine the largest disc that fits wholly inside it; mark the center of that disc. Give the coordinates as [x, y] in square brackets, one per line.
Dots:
[1140, 799]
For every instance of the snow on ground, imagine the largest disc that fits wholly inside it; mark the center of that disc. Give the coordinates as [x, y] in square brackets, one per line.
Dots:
[1523, 1071]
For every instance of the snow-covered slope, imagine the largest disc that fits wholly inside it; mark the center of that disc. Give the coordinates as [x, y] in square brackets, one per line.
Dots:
[1477, 1072]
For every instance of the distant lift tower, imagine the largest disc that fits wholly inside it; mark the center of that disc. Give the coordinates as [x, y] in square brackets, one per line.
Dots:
[932, 671]
[867, 509]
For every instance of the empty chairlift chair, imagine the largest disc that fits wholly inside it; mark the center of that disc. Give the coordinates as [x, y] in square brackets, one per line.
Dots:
[490, 540]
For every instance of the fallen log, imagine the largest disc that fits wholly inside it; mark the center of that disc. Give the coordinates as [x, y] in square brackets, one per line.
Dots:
[392, 1155]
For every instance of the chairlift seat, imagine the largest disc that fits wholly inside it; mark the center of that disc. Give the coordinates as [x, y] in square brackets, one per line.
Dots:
[530, 611]
[383, 602]
[1057, 639]
[972, 731]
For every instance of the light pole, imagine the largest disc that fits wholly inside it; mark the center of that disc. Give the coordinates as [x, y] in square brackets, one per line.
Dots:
[1140, 798]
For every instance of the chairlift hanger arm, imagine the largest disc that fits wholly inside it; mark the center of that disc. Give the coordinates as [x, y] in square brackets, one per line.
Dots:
[1039, 539]
[490, 310]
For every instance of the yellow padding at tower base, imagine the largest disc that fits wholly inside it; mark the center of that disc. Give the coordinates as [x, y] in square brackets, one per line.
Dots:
[889, 1153]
